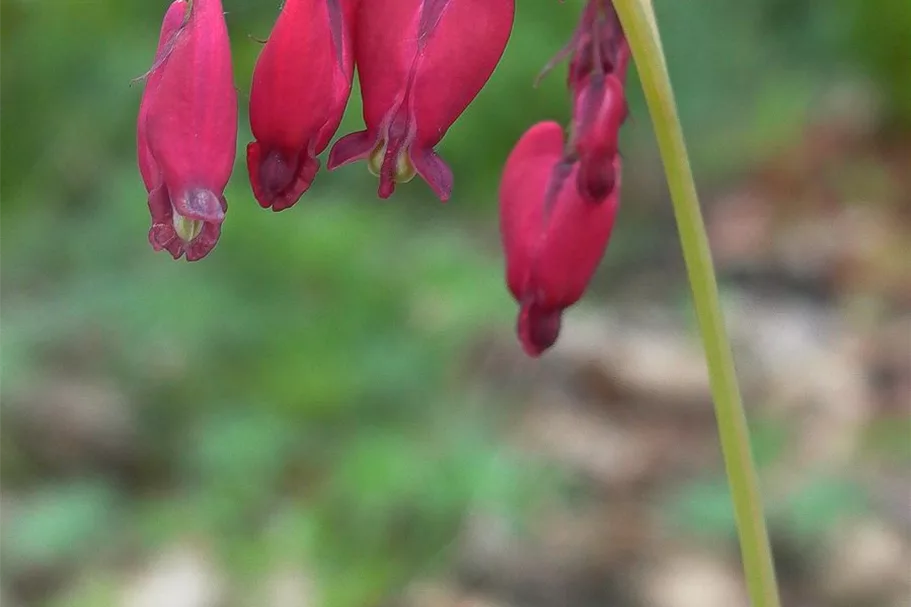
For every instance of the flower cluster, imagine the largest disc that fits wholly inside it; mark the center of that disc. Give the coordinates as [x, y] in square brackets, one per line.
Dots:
[420, 64]
[558, 200]
[416, 73]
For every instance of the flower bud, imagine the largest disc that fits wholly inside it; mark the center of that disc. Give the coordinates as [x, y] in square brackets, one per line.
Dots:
[600, 110]
[599, 56]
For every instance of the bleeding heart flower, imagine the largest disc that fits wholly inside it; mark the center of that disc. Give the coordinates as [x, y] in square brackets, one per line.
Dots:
[552, 237]
[300, 88]
[187, 129]
[420, 64]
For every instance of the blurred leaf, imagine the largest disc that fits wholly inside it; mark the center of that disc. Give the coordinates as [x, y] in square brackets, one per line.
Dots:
[240, 448]
[703, 508]
[93, 589]
[769, 439]
[888, 438]
[821, 505]
[881, 42]
[60, 523]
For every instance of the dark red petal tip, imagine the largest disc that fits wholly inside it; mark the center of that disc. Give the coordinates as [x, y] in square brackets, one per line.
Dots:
[279, 180]
[538, 329]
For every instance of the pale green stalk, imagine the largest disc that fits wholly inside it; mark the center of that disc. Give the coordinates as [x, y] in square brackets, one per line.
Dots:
[641, 29]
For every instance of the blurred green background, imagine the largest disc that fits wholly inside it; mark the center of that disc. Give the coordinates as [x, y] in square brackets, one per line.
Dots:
[319, 412]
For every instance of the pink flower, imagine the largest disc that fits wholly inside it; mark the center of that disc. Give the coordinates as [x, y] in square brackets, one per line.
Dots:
[187, 129]
[420, 64]
[300, 88]
[553, 238]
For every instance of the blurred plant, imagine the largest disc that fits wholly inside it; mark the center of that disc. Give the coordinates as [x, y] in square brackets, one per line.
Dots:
[318, 422]
[881, 41]
[808, 512]
[56, 525]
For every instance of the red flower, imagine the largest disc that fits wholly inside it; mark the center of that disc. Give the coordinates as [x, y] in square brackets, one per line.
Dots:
[552, 237]
[300, 88]
[187, 129]
[420, 64]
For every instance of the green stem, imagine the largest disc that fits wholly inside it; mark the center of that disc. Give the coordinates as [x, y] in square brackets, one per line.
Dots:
[639, 23]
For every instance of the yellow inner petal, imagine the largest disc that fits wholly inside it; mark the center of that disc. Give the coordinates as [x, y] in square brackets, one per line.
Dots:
[187, 229]
[404, 170]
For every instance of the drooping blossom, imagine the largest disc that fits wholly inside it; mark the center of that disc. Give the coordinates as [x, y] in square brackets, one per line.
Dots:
[558, 201]
[420, 64]
[553, 238]
[300, 88]
[187, 129]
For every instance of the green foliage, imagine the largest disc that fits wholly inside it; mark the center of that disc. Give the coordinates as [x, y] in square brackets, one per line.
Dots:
[704, 508]
[888, 439]
[881, 43]
[821, 505]
[808, 514]
[92, 590]
[59, 523]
